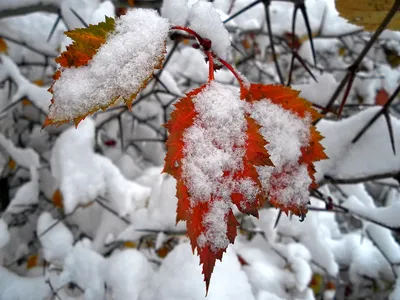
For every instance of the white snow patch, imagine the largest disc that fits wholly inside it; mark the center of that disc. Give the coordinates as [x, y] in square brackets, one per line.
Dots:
[55, 237]
[4, 233]
[204, 19]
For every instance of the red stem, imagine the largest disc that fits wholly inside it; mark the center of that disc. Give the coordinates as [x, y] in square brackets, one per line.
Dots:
[210, 66]
[235, 73]
[190, 31]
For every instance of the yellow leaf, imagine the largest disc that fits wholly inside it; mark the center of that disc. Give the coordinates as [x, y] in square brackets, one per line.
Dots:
[342, 51]
[305, 37]
[367, 13]
[57, 199]
[11, 164]
[32, 261]
[316, 283]
[3, 46]
[130, 244]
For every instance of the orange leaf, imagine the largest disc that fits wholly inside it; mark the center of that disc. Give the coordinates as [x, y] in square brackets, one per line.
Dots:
[86, 43]
[26, 102]
[3, 46]
[39, 82]
[57, 199]
[234, 185]
[11, 164]
[32, 261]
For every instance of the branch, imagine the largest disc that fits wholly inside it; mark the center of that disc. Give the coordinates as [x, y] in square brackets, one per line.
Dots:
[30, 8]
[353, 69]
[361, 179]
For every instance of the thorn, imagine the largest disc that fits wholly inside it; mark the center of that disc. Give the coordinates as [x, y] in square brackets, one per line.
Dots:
[390, 130]
[346, 93]
[271, 40]
[79, 17]
[278, 218]
[303, 10]
[53, 29]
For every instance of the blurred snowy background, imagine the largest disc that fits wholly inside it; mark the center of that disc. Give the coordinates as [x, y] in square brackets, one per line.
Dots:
[86, 213]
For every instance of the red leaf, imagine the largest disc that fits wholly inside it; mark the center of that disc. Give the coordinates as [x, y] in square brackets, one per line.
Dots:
[381, 97]
[211, 224]
[286, 175]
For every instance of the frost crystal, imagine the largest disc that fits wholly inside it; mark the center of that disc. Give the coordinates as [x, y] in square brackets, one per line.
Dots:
[120, 67]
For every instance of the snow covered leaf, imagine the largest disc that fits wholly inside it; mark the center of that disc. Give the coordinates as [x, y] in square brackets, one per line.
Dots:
[107, 62]
[293, 143]
[3, 46]
[213, 149]
[368, 14]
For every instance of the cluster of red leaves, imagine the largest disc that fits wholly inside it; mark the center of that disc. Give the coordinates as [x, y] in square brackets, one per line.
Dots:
[184, 116]
[256, 154]
[86, 44]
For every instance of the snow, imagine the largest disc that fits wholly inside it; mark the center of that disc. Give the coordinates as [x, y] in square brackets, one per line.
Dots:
[385, 215]
[27, 194]
[55, 237]
[179, 278]
[84, 266]
[83, 175]
[24, 157]
[177, 11]
[312, 234]
[139, 39]
[74, 166]
[384, 240]
[127, 274]
[204, 19]
[372, 155]
[318, 92]
[4, 233]
[124, 194]
[17, 287]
